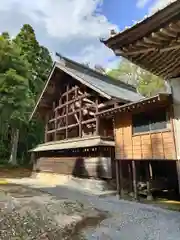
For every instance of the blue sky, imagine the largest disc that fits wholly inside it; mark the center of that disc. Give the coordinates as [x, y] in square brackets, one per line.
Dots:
[74, 27]
[123, 13]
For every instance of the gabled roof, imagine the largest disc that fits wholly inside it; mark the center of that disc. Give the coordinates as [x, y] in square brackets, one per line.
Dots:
[154, 43]
[107, 87]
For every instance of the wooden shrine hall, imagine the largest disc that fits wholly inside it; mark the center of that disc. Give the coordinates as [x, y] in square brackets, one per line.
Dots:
[77, 141]
[148, 131]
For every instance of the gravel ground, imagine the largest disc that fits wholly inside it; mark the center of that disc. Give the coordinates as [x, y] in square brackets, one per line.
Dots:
[122, 220]
[129, 220]
[30, 214]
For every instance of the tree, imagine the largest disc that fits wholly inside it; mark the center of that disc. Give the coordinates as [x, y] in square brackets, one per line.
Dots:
[14, 91]
[146, 83]
[37, 56]
[24, 68]
[40, 62]
[5, 35]
[126, 71]
[149, 84]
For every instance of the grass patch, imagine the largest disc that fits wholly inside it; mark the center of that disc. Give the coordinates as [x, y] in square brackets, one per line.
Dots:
[158, 202]
[164, 203]
[3, 181]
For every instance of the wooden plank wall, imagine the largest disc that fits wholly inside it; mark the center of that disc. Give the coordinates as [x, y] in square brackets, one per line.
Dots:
[156, 145]
[76, 166]
[56, 165]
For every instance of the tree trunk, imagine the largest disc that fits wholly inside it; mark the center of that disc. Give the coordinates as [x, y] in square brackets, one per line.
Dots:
[15, 139]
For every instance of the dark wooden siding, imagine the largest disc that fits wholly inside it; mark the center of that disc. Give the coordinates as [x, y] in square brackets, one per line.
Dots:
[149, 145]
[76, 166]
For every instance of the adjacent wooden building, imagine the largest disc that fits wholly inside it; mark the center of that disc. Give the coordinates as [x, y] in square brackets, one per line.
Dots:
[148, 132]
[77, 141]
[145, 152]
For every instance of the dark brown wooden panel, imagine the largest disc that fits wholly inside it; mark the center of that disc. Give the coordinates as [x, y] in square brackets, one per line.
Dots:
[76, 166]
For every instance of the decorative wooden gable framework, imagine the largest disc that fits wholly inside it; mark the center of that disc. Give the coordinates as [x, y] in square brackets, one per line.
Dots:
[72, 97]
[154, 43]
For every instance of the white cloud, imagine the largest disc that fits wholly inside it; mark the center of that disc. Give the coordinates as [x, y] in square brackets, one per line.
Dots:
[72, 27]
[155, 4]
[142, 3]
[95, 54]
[159, 4]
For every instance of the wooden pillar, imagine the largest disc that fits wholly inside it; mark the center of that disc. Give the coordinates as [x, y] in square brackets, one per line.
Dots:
[55, 125]
[134, 180]
[117, 178]
[46, 129]
[112, 162]
[121, 178]
[80, 119]
[149, 179]
[55, 121]
[67, 109]
[178, 175]
[97, 118]
[130, 179]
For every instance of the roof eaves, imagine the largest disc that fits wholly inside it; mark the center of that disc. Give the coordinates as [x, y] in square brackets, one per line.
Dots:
[73, 143]
[129, 29]
[154, 99]
[43, 91]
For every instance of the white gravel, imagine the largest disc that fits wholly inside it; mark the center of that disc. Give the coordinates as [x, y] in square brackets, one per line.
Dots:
[130, 220]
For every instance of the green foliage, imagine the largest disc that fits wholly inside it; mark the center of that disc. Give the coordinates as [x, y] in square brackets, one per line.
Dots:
[37, 56]
[13, 79]
[150, 84]
[14, 90]
[146, 83]
[24, 67]
[40, 63]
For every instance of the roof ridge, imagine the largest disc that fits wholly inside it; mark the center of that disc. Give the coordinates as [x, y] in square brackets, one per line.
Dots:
[109, 79]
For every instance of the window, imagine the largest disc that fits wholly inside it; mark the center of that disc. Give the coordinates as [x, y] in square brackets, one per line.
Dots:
[144, 122]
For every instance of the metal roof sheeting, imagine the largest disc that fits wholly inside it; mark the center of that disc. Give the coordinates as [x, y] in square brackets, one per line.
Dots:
[101, 83]
[73, 143]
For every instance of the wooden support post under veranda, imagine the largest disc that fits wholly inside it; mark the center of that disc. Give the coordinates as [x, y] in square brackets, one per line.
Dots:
[121, 178]
[178, 174]
[117, 178]
[149, 180]
[134, 179]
